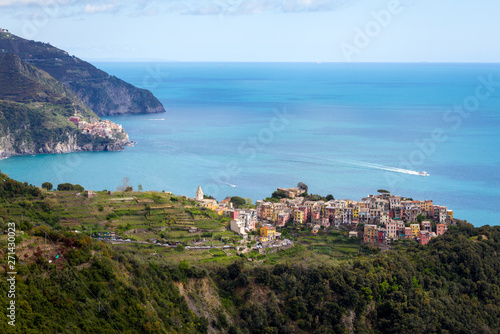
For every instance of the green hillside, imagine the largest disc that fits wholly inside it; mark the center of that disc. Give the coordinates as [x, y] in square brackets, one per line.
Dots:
[35, 110]
[69, 283]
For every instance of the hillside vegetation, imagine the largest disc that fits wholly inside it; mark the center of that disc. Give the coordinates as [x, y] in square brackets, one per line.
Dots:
[75, 284]
[103, 93]
[34, 113]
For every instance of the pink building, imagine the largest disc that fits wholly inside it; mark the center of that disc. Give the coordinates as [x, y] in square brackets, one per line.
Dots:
[408, 233]
[441, 229]
[424, 237]
[282, 219]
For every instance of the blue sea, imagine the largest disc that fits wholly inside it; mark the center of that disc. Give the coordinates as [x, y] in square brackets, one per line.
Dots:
[343, 129]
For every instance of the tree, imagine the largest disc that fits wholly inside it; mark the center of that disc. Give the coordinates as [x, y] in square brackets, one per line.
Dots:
[303, 186]
[330, 197]
[278, 194]
[125, 185]
[47, 185]
[139, 187]
[64, 187]
[70, 187]
[238, 201]
[383, 191]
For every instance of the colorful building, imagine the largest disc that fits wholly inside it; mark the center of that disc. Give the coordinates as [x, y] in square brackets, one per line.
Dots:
[298, 217]
[370, 233]
[441, 229]
[267, 233]
[424, 237]
[415, 230]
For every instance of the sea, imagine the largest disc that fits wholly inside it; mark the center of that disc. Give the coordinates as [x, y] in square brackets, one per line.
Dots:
[346, 129]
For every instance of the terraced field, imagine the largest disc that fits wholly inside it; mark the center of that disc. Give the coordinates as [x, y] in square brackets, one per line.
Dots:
[139, 215]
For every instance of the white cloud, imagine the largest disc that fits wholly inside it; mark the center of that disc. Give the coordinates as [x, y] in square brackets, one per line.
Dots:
[91, 9]
[247, 7]
[5, 3]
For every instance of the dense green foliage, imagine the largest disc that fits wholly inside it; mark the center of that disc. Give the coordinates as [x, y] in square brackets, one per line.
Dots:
[69, 187]
[452, 285]
[100, 298]
[238, 202]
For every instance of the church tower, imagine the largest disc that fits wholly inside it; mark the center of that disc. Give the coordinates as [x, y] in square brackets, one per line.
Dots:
[199, 194]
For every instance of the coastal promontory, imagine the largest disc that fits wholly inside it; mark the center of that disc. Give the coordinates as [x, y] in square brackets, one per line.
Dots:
[38, 114]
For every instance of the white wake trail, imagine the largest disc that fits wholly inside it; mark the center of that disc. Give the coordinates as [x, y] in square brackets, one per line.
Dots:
[382, 167]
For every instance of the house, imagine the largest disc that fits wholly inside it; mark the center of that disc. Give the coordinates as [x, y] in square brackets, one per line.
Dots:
[392, 229]
[268, 232]
[441, 229]
[415, 230]
[283, 218]
[90, 194]
[298, 216]
[265, 211]
[428, 207]
[408, 233]
[426, 226]
[210, 204]
[238, 227]
[353, 234]
[424, 237]
[381, 235]
[370, 233]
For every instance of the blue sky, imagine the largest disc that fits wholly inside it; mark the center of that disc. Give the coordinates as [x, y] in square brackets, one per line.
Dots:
[263, 30]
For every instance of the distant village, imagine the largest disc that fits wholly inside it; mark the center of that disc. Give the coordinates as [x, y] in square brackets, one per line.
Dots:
[104, 129]
[377, 219]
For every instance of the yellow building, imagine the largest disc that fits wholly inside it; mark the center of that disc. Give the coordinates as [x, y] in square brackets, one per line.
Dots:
[210, 204]
[450, 213]
[275, 214]
[415, 230]
[355, 212]
[267, 232]
[298, 217]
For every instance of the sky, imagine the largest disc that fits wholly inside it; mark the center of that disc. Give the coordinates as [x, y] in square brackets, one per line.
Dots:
[262, 30]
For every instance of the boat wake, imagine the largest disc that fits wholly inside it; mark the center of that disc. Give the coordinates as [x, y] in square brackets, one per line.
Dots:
[386, 168]
[156, 119]
[316, 160]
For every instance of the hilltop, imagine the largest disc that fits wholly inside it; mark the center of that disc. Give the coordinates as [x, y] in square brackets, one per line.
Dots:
[67, 282]
[35, 110]
[103, 93]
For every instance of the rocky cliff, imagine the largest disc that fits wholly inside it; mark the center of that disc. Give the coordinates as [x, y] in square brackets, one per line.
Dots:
[103, 93]
[35, 110]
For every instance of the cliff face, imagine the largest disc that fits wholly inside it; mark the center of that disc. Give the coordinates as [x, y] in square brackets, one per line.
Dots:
[11, 145]
[103, 93]
[35, 110]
